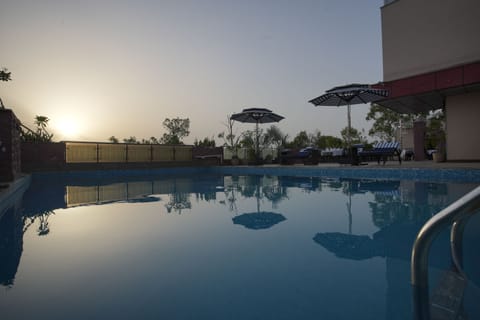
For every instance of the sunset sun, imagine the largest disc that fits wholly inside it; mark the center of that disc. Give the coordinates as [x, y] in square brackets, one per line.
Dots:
[68, 128]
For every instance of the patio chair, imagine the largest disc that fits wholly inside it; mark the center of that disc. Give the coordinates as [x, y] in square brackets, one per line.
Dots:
[381, 152]
[308, 155]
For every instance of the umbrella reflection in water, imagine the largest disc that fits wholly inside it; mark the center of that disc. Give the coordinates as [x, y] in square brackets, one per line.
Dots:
[260, 219]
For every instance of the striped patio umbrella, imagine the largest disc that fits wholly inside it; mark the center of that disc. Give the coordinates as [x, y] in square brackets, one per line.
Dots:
[256, 115]
[347, 95]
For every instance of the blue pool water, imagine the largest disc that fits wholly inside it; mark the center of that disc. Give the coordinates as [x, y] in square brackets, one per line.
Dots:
[221, 246]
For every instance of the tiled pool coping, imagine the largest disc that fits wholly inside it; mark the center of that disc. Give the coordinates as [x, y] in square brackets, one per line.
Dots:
[426, 174]
[10, 195]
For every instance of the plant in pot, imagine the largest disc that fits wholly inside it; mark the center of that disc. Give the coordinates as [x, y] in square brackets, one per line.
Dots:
[436, 135]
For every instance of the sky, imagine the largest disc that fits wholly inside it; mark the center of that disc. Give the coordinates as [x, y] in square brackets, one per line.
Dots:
[101, 68]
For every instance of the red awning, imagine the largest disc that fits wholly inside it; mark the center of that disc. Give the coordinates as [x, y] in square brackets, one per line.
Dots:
[425, 92]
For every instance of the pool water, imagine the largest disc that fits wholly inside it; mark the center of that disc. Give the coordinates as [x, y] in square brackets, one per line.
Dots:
[221, 247]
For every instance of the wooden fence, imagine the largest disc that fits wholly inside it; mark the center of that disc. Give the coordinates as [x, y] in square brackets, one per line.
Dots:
[89, 152]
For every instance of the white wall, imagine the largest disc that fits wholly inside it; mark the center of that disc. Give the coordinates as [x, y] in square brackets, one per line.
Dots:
[421, 36]
[463, 126]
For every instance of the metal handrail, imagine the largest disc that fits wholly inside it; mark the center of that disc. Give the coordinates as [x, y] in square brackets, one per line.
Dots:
[455, 214]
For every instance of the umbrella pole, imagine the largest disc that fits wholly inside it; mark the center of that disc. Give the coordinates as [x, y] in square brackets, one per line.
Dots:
[257, 144]
[258, 196]
[349, 208]
[349, 137]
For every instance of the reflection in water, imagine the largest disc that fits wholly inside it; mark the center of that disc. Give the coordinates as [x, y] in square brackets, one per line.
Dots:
[11, 245]
[178, 202]
[11, 238]
[259, 187]
[258, 220]
[43, 227]
[397, 210]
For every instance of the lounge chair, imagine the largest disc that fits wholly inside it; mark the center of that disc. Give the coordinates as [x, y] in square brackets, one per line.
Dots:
[381, 152]
[308, 155]
[333, 152]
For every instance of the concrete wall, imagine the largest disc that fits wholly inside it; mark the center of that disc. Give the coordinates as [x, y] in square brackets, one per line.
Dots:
[10, 166]
[428, 35]
[463, 126]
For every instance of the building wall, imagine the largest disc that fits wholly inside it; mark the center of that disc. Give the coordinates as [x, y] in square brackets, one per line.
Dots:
[10, 165]
[463, 126]
[428, 35]
[405, 137]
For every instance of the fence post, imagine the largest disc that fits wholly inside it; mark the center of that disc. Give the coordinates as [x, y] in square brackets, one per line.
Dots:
[65, 153]
[98, 152]
[126, 153]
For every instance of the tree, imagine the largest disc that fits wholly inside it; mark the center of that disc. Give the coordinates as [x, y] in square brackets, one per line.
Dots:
[132, 140]
[356, 136]
[315, 138]
[42, 123]
[231, 140]
[386, 121]
[206, 142]
[248, 142]
[5, 75]
[435, 135]
[329, 142]
[177, 130]
[113, 139]
[41, 134]
[275, 137]
[301, 140]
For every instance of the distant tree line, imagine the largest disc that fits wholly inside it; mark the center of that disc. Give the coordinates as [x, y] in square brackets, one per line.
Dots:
[176, 128]
[385, 124]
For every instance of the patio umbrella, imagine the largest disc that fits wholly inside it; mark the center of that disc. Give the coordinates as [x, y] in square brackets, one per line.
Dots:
[256, 115]
[347, 95]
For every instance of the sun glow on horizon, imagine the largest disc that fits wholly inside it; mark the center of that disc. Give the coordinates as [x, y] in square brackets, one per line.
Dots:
[67, 128]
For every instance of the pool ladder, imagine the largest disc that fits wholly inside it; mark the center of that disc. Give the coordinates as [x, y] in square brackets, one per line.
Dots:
[449, 297]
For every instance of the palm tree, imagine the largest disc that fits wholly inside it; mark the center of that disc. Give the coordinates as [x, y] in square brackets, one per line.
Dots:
[42, 133]
[41, 122]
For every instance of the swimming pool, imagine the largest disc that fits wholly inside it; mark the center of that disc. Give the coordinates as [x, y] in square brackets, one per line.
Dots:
[221, 245]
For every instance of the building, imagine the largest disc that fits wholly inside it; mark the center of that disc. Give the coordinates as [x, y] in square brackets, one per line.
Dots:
[431, 60]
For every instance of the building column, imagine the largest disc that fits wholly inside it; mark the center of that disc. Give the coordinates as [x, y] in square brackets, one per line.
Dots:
[419, 130]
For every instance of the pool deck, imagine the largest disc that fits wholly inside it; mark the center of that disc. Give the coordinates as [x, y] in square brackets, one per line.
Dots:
[428, 164]
[8, 189]
[11, 192]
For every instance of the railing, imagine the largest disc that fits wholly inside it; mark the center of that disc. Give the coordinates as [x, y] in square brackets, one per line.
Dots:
[92, 152]
[457, 215]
